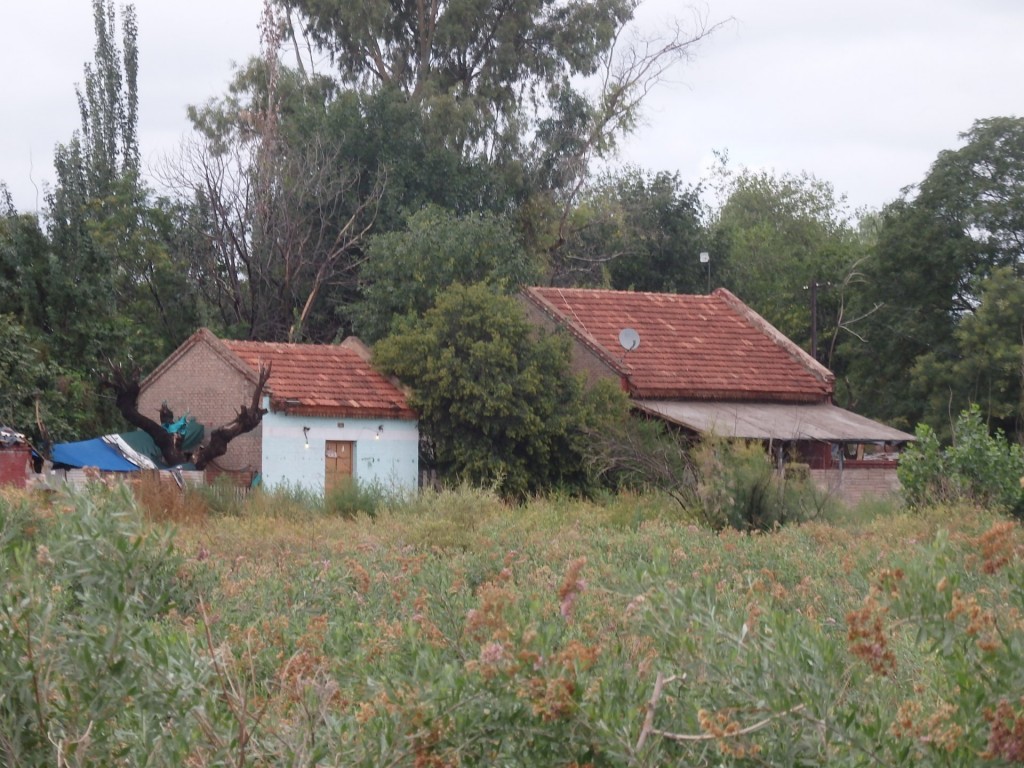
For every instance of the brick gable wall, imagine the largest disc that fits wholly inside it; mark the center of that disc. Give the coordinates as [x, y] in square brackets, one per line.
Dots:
[203, 384]
[583, 360]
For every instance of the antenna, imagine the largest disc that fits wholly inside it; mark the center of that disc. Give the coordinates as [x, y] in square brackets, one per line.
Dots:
[629, 339]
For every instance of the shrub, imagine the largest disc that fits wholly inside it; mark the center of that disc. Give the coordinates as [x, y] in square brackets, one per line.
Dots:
[352, 498]
[738, 487]
[87, 674]
[979, 468]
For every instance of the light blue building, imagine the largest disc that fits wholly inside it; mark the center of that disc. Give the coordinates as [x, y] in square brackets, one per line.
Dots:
[331, 418]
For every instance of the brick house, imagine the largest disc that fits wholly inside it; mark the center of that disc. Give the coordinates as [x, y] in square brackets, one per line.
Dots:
[711, 364]
[330, 414]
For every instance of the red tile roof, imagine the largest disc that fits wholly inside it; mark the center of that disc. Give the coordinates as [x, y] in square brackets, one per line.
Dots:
[322, 379]
[691, 347]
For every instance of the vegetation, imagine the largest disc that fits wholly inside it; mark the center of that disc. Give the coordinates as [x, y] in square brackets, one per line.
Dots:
[452, 146]
[495, 395]
[978, 468]
[453, 630]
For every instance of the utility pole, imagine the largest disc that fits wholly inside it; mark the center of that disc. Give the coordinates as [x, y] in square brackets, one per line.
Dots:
[813, 288]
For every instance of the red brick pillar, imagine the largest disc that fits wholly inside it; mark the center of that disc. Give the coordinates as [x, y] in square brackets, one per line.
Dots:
[15, 464]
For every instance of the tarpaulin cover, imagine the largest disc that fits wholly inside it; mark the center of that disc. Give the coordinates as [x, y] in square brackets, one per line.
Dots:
[144, 444]
[91, 453]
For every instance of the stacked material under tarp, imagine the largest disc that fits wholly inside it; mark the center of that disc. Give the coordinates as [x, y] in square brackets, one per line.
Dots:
[128, 452]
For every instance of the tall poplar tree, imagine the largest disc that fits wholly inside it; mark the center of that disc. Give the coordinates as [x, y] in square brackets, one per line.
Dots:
[107, 294]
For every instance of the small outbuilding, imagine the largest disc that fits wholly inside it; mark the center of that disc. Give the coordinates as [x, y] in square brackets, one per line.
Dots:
[331, 417]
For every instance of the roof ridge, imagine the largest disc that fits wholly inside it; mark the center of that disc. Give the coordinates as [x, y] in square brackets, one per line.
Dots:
[752, 317]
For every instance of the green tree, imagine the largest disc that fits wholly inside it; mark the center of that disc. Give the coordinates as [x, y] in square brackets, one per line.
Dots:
[987, 368]
[775, 236]
[935, 250]
[474, 65]
[407, 270]
[532, 91]
[636, 231]
[495, 395]
[106, 298]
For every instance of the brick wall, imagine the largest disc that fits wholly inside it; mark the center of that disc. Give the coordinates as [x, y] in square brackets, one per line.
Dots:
[205, 385]
[853, 484]
[15, 465]
[583, 360]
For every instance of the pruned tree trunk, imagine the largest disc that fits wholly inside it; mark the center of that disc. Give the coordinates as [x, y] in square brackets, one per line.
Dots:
[126, 391]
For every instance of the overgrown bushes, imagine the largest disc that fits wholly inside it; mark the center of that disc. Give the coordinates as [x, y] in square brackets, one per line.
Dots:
[88, 673]
[455, 630]
[719, 483]
[978, 468]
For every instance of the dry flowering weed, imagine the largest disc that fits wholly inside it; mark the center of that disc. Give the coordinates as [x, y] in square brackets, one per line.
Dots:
[572, 585]
[1006, 732]
[999, 546]
[867, 638]
[938, 729]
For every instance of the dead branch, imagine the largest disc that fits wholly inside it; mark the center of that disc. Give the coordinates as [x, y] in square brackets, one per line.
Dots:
[684, 737]
[648, 728]
[248, 418]
[126, 387]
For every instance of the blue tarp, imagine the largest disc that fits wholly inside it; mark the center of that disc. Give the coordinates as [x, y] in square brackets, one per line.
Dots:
[92, 453]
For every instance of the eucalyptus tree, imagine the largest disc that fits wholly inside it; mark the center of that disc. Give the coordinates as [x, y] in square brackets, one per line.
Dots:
[533, 90]
[636, 231]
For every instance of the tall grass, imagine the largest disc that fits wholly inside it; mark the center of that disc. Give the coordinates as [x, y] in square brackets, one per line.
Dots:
[453, 629]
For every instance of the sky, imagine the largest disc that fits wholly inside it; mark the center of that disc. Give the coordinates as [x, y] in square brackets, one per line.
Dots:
[863, 95]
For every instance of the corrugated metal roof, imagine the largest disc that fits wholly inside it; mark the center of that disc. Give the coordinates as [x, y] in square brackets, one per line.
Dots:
[693, 347]
[774, 421]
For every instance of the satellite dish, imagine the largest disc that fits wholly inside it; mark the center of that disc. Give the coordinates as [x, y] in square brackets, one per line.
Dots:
[629, 339]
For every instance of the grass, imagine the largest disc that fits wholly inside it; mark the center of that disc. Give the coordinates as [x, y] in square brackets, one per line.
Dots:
[453, 629]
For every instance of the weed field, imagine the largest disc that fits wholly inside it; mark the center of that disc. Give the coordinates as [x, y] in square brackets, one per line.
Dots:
[455, 630]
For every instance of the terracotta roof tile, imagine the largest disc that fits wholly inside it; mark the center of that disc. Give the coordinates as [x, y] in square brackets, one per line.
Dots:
[691, 347]
[321, 379]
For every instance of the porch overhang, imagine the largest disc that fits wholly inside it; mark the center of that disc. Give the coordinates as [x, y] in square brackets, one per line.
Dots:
[818, 422]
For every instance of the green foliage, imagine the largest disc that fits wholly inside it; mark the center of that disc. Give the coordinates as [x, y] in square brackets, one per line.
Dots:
[406, 270]
[636, 231]
[475, 66]
[775, 235]
[67, 404]
[449, 631]
[87, 675]
[738, 487]
[718, 483]
[349, 499]
[979, 468]
[987, 366]
[936, 251]
[496, 397]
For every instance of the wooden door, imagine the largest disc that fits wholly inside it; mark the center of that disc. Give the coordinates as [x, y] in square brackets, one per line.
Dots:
[337, 464]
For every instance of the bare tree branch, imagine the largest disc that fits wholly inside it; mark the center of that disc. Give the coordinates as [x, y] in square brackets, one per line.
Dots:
[126, 387]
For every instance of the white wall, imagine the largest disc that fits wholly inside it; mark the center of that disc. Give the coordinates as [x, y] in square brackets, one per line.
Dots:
[390, 461]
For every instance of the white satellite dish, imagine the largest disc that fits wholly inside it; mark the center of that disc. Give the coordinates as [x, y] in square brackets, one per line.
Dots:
[629, 339]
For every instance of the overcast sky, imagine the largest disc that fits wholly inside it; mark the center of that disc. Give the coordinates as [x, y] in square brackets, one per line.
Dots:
[860, 94]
